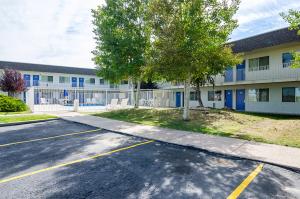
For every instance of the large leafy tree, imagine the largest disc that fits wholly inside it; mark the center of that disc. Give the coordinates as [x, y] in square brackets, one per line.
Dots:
[12, 82]
[293, 18]
[188, 39]
[216, 63]
[121, 41]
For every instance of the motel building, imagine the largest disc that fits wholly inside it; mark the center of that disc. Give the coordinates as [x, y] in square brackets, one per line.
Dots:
[264, 82]
[54, 88]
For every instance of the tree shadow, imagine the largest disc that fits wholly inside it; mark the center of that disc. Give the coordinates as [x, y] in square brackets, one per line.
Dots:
[160, 170]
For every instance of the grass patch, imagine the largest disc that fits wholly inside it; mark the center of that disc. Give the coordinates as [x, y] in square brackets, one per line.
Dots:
[14, 113]
[267, 128]
[24, 118]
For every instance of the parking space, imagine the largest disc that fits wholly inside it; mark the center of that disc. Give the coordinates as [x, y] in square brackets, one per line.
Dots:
[60, 159]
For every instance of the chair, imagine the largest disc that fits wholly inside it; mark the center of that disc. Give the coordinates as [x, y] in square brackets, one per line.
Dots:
[124, 103]
[113, 104]
[44, 101]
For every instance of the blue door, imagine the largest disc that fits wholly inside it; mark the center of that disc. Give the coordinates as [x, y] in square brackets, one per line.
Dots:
[178, 99]
[74, 81]
[81, 98]
[27, 80]
[240, 71]
[228, 74]
[228, 99]
[240, 99]
[81, 81]
[36, 79]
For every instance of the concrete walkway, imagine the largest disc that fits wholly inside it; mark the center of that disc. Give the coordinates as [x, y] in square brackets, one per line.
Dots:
[275, 154]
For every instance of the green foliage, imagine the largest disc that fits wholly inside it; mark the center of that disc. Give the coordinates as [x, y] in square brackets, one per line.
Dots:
[121, 39]
[293, 18]
[10, 104]
[189, 37]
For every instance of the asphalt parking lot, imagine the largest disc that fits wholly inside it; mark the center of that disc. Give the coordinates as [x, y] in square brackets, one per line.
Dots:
[60, 159]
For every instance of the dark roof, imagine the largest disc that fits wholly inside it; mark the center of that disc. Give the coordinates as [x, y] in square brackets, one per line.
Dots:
[269, 39]
[46, 68]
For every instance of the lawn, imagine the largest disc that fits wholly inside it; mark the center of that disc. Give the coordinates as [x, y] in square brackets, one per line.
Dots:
[275, 129]
[23, 118]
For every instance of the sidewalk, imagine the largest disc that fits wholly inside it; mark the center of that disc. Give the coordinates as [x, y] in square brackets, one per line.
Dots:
[275, 154]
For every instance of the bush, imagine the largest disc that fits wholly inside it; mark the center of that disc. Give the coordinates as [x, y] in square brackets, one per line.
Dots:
[10, 104]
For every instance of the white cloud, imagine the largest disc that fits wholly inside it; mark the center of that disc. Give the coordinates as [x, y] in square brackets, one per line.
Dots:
[257, 16]
[50, 32]
[60, 31]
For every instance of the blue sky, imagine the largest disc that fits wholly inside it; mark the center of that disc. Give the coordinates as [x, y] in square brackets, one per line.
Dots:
[60, 31]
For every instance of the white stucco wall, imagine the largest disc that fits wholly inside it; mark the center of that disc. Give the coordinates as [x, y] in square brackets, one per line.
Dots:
[275, 104]
[275, 73]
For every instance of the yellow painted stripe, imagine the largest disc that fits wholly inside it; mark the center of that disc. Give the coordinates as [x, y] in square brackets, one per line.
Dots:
[246, 182]
[72, 162]
[48, 138]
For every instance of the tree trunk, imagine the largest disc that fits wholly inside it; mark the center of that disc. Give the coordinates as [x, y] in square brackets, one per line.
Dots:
[198, 94]
[187, 93]
[138, 90]
[132, 92]
[11, 94]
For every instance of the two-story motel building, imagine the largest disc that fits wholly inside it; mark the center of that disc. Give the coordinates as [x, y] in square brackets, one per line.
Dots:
[265, 81]
[56, 83]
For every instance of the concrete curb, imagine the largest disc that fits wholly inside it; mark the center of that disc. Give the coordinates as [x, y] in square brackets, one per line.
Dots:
[27, 122]
[226, 155]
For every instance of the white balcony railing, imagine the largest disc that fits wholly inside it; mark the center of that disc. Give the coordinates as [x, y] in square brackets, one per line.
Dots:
[279, 73]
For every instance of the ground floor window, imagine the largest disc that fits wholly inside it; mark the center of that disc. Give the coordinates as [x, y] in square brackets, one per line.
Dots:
[258, 95]
[194, 96]
[290, 94]
[214, 95]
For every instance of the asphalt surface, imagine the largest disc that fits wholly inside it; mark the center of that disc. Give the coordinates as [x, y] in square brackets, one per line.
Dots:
[151, 170]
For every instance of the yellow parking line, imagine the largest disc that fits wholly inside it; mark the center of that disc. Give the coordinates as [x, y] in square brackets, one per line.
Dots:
[72, 162]
[48, 138]
[246, 182]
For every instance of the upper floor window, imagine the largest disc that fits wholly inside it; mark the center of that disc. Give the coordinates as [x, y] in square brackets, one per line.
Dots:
[290, 94]
[287, 59]
[214, 95]
[261, 63]
[258, 95]
[92, 80]
[101, 81]
[64, 80]
[48, 79]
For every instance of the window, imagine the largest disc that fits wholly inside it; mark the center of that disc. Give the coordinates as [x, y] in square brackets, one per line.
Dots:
[253, 64]
[263, 95]
[252, 95]
[48, 79]
[124, 82]
[258, 95]
[290, 94]
[101, 81]
[194, 96]
[210, 95]
[91, 81]
[261, 63]
[63, 79]
[214, 96]
[218, 95]
[287, 59]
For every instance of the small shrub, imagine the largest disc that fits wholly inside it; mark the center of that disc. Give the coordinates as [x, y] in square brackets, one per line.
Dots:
[10, 104]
